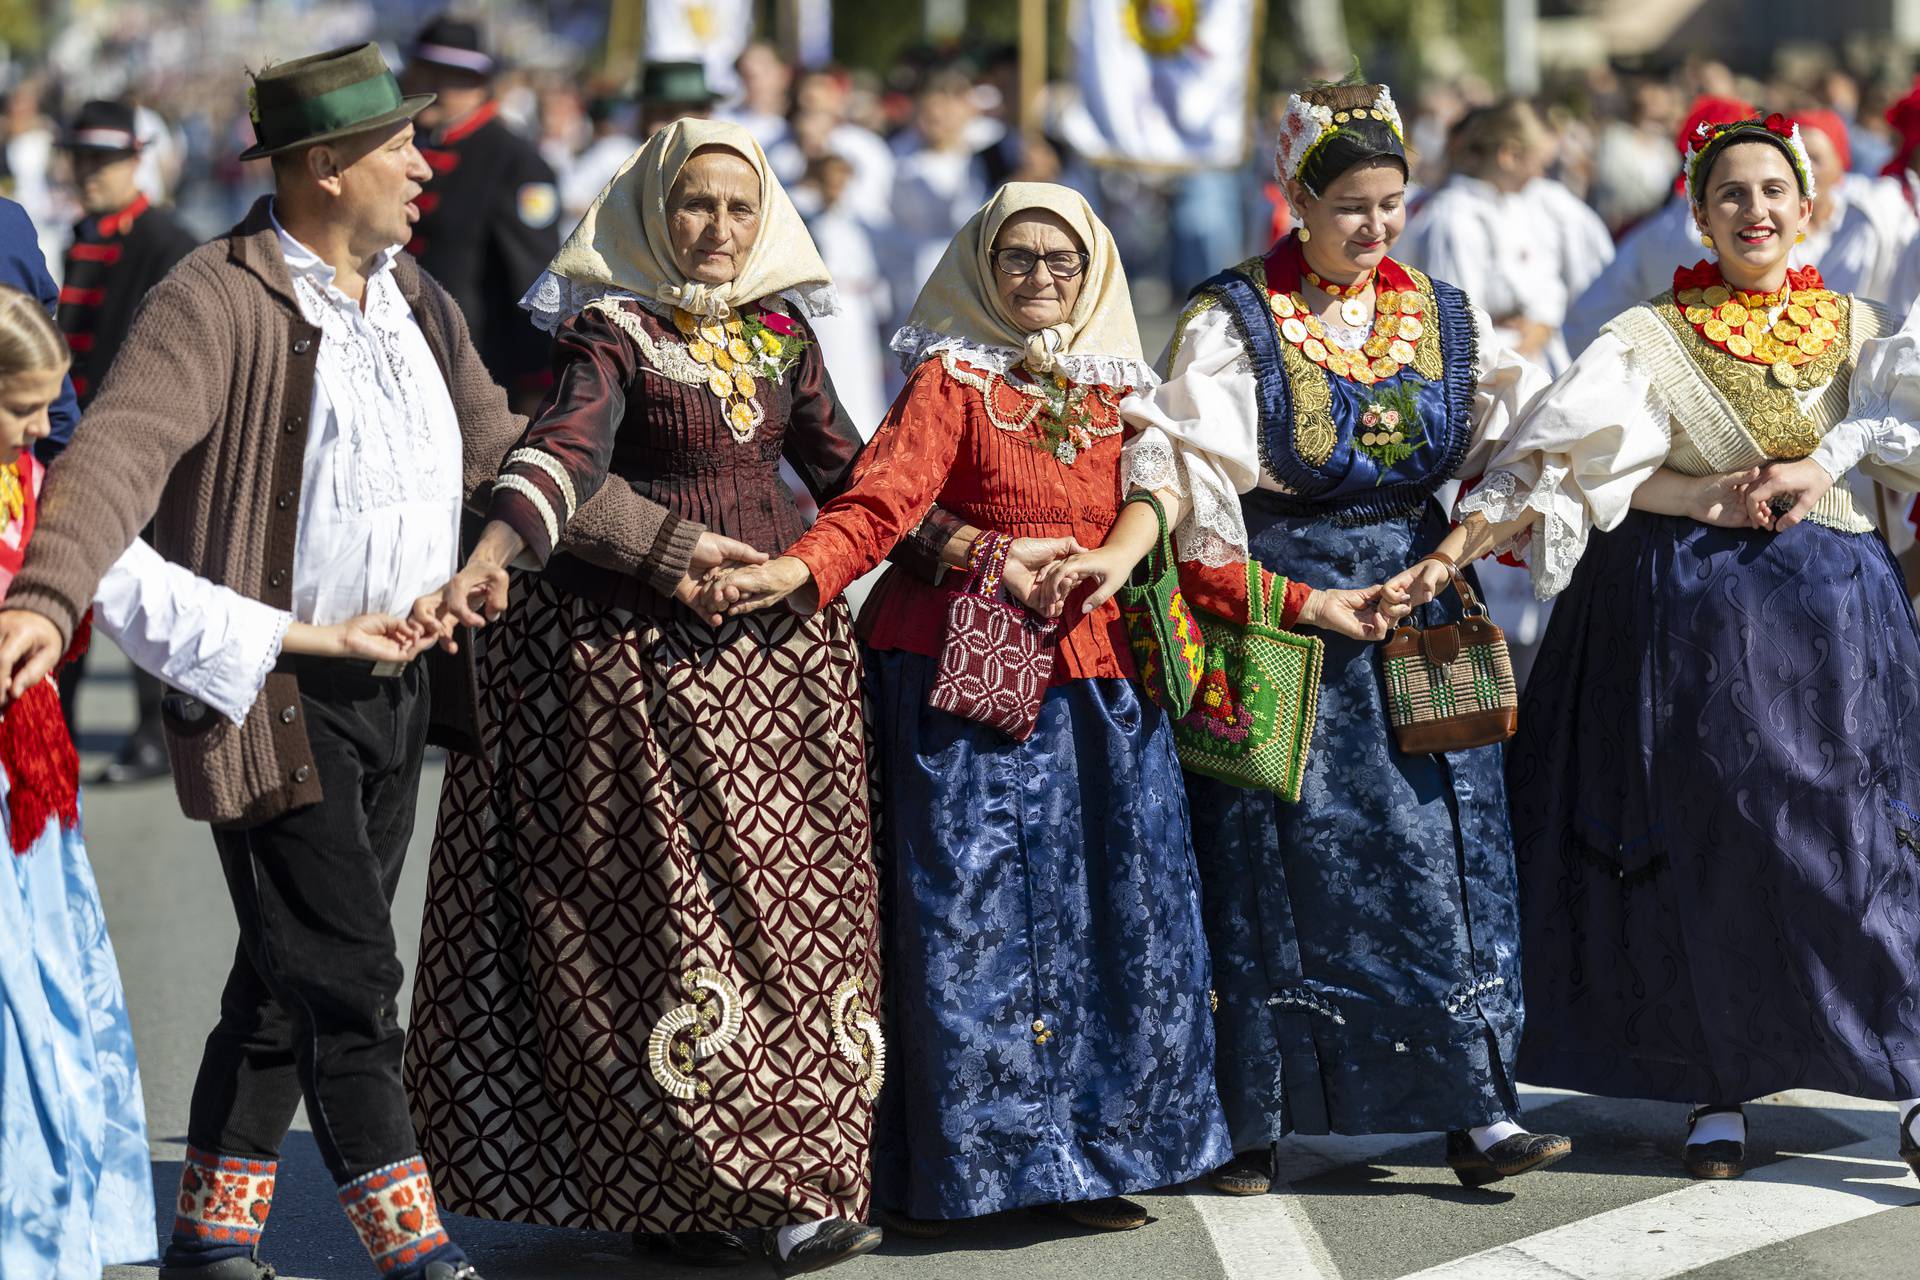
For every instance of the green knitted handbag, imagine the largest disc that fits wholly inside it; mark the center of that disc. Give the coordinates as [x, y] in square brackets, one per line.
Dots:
[1253, 711]
[1161, 629]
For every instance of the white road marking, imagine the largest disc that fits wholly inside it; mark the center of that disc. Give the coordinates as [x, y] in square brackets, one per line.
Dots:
[1259, 1237]
[1706, 1223]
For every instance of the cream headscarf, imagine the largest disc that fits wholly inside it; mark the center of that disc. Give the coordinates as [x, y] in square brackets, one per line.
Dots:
[621, 249]
[960, 310]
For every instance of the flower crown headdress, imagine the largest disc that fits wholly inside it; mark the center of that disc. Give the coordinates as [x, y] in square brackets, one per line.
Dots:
[1710, 138]
[1308, 128]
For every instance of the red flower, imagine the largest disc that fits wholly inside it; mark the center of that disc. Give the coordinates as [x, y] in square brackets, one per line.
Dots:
[1778, 124]
[778, 323]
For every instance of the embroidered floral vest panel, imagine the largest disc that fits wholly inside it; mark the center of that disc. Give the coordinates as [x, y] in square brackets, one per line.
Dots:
[1328, 439]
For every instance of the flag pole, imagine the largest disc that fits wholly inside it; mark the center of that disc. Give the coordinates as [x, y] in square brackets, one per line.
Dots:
[626, 36]
[1033, 63]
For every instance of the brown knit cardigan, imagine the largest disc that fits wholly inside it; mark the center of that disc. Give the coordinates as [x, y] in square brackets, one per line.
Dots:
[201, 426]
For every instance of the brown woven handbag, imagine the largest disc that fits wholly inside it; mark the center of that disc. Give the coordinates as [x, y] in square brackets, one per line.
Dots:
[1451, 687]
[995, 655]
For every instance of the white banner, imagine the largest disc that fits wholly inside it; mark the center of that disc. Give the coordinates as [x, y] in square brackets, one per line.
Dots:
[1162, 82]
[712, 32]
[813, 32]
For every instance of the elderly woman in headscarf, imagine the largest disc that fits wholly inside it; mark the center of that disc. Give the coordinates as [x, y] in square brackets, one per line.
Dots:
[1047, 976]
[650, 962]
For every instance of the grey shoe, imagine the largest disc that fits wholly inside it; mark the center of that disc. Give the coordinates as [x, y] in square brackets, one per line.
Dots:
[837, 1241]
[452, 1271]
[248, 1268]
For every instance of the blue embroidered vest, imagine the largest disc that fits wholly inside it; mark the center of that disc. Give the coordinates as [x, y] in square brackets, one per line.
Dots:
[1312, 422]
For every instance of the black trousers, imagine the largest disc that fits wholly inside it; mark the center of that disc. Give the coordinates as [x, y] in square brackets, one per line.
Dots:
[310, 1008]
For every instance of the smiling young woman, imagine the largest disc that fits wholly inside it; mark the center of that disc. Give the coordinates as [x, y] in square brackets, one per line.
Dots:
[1715, 747]
[1317, 397]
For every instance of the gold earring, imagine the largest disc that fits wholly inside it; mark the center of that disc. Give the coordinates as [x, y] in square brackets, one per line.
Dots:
[1801, 238]
[1305, 235]
[1706, 241]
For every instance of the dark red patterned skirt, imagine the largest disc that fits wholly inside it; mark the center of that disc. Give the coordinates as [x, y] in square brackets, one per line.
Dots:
[649, 966]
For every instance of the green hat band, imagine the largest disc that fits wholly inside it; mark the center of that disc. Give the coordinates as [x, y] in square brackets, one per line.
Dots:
[332, 111]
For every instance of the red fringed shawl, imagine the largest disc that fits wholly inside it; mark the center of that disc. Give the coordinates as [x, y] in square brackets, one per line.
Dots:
[43, 769]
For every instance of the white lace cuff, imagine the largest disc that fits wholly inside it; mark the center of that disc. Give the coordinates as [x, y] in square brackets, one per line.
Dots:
[1213, 531]
[1558, 536]
[914, 344]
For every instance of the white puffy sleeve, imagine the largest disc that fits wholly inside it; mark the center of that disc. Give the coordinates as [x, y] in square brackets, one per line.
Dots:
[1198, 433]
[1574, 458]
[1879, 435]
[197, 636]
[1508, 383]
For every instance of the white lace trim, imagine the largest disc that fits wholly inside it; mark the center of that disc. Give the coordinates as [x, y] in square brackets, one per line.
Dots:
[1213, 531]
[1562, 523]
[554, 299]
[914, 344]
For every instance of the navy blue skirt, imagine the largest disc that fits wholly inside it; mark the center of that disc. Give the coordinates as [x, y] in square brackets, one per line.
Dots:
[1365, 941]
[1716, 805]
[1047, 986]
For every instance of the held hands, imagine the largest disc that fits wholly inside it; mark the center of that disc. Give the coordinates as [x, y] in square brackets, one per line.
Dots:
[1106, 567]
[376, 637]
[472, 597]
[708, 588]
[1359, 613]
[1415, 585]
[1785, 492]
[761, 586]
[1027, 561]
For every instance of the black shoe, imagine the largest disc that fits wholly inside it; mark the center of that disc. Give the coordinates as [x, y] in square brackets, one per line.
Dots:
[1508, 1158]
[141, 758]
[1721, 1159]
[835, 1242]
[249, 1268]
[914, 1228]
[1248, 1174]
[1111, 1213]
[697, 1248]
[1909, 1149]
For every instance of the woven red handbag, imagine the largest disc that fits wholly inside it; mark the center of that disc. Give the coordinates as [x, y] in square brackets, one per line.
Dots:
[995, 656]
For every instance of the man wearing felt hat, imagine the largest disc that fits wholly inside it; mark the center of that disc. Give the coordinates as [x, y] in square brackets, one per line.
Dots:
[121, 249]
[301, 412]
[490, 217]
[671, 91]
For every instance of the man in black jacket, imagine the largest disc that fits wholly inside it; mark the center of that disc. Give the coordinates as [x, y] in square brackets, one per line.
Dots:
[490, 219]
[120, 250]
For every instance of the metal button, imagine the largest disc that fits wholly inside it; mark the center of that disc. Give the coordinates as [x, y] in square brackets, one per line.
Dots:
[303, 346]
[287, 714]
[279, 577]
[282, 502]
[302, 773]
[1039, 1025]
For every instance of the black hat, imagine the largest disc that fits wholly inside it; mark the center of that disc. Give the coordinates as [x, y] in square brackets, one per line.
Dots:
[102, 126]
[675, 84]
[325, 97]
[450, 42]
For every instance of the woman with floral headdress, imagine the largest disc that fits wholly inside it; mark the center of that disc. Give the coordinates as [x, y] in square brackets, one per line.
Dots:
[1047, 977]
[1716, 783]
[1365, 941]
[649, 970]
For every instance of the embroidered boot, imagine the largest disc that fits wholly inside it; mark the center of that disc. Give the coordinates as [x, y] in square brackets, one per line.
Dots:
[394, 1211]
[218, 1216]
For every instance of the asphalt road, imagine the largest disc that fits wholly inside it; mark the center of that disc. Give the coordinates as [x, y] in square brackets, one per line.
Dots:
[1827, 1199]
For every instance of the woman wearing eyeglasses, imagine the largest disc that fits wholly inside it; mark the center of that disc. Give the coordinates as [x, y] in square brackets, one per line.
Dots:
[1047, 980]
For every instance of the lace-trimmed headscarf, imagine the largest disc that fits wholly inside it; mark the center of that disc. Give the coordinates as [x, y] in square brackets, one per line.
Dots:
[621, 248]
[960, 310]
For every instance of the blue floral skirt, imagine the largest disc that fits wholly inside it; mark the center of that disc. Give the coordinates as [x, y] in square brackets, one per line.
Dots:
[1046, 972]
[1716, 804]
[76, 1190]
[1365, 941]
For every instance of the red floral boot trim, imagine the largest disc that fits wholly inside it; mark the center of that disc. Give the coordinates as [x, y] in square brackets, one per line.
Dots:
[223, 1199]
[394, 1212]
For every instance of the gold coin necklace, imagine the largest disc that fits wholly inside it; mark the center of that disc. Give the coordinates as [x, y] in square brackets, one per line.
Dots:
[1806, 323]
[1398, 322]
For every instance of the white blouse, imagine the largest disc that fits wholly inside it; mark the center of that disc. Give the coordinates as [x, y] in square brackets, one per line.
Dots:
[1580, 451]
[1199, 431]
